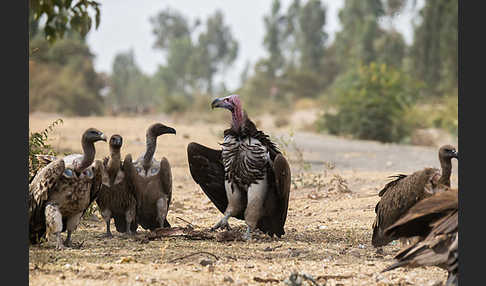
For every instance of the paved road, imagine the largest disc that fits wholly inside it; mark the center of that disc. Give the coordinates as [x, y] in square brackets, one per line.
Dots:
[360, 155]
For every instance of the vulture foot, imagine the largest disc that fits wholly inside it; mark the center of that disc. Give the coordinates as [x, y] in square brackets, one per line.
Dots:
[59, 244]
[247, 235]
[222, 224]
[107, 235]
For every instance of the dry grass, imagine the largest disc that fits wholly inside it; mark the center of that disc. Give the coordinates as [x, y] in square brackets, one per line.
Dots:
[328, 229]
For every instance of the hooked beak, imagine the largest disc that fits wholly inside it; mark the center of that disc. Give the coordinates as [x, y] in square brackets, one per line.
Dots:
[221, 103]
[103, 137]
[455, 154]
[170, 130]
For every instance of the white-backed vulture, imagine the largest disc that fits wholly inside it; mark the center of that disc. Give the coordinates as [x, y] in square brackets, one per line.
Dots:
[435, 221]
[151, 181]
[116, 199]
[61, 192]
[405, 191]
[248, 178]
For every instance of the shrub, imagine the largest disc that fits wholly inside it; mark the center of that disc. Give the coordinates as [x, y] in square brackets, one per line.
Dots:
[38, 145]
[371, 101]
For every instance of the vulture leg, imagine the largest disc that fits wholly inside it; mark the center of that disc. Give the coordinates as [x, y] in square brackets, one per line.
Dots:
[254, 208]
[54, 224]
[162, 208]
[72, 224]
[129, 216]
[235, 205]
[106, 214]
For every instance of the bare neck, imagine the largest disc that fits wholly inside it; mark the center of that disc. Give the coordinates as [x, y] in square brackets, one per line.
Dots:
[88, 156]
[115, 160]
[238, 118]
[446, 166]
[151, 143]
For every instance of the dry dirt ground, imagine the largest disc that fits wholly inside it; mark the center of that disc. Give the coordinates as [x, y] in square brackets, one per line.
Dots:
[328, 230]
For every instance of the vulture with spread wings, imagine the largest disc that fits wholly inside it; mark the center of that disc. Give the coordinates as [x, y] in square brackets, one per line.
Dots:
[248, 179]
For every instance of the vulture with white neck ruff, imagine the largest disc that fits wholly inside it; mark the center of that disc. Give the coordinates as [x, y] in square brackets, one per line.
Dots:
[248, 179]
[151, 181]
[61, 192]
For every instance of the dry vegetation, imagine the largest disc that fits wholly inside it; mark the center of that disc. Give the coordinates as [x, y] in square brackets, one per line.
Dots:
[328, 229]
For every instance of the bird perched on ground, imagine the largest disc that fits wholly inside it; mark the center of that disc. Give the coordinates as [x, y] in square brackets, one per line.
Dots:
[435, 220]
[61, 192]
[115, 199]
[151, 181]
[405, 191]
[248, 178]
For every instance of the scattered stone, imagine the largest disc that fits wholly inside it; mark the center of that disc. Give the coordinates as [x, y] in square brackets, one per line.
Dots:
[228, 279]
[206, 262]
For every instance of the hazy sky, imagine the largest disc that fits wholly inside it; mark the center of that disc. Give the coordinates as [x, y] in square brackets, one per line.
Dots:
[125, 25]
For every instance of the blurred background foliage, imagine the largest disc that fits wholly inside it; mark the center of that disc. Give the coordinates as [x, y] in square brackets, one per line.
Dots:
[367, 82]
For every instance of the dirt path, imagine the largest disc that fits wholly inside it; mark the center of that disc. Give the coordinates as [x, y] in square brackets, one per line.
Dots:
[328, 227]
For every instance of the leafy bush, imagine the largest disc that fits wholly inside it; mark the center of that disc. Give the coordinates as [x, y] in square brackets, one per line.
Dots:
[371, 101]
[38, 145]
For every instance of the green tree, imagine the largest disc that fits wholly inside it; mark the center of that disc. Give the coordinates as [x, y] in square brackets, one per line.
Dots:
[62, 78]
[312, 18]
[355, 41]
[434, 50]
[273, 39]
[62, 16]
[130, 88]
[217, 49]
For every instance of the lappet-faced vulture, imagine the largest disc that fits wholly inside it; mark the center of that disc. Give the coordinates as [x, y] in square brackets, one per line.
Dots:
[405, 191]
[116, 199]
[248, 179]
[61, 192]
[151, 181]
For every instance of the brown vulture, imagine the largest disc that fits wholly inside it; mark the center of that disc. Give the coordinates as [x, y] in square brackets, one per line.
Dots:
[151, 181]
[248, 179]
[405, 191]
[435, 220]
[116, 199]
[61, 192]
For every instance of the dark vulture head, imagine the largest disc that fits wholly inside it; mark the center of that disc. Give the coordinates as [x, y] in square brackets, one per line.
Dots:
[116, 141]
[158, 129]
[233, 104]
[448, 152]
[92, 135]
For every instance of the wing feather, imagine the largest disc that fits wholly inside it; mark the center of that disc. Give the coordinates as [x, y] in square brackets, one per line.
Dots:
[165, 175]
[207, 170]
[277, 200]
[39, 189]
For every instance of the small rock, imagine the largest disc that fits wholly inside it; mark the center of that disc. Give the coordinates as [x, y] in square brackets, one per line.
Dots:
[138, 278]
[322, 227]
[361, 246]
[205, 262]
[62, 277]
[153, 280]
[228, 279]
[250, 266]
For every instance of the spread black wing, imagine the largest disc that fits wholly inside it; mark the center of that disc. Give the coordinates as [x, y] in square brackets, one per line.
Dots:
[207, 170]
